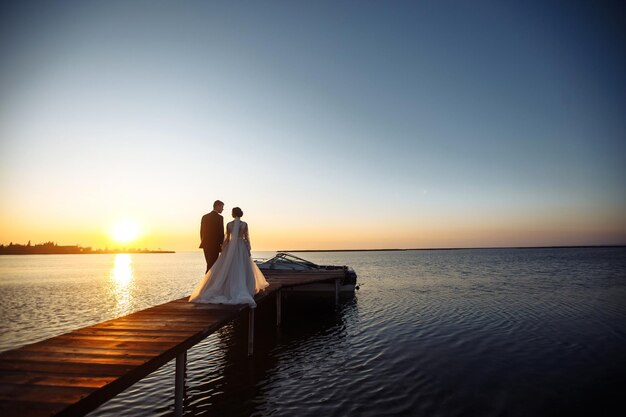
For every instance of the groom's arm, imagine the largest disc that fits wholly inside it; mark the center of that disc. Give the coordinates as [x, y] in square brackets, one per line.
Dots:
[202, 229]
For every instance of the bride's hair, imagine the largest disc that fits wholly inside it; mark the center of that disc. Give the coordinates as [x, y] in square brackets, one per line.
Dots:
[237, 212]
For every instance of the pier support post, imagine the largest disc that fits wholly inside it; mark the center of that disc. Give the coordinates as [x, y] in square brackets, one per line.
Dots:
[279, 303]
[337, 282]
[179, 388]
[251, 331]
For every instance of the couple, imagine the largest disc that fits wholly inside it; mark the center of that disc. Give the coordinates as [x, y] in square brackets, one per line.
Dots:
[232, 277]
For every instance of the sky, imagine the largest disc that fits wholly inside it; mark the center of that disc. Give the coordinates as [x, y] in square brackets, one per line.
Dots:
[333, 125]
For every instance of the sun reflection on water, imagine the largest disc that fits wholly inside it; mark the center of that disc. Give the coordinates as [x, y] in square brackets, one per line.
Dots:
[122, 282]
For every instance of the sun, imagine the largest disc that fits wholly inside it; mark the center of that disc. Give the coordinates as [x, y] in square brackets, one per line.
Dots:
[125, 231]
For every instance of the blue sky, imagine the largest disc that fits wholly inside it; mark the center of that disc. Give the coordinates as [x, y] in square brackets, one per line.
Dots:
[348, 124]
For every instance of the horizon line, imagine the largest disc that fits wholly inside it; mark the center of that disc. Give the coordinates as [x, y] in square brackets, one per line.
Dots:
[115, 248]
[454, 248]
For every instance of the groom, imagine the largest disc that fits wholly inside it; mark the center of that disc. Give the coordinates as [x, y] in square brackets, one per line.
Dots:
[212, 234]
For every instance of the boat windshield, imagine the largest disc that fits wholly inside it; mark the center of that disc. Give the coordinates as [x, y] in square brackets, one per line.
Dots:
[289, 259]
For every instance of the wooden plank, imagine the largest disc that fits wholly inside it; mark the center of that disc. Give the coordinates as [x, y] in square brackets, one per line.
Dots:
[143, 326]
[197, 306]
[182, 319]
[75, 358]
[34, 378]
[115, 332]
[126, 338]
[30, 408]
[193, 309]
[98, 328]
[145, 332]
[194, 317]
[137, 319]
[167, 318]
[138, 325]
[175, 310]
[66, 341]
[41, 393]
[170, 316]
[85, 339]
[89, 350]
[220, 309]
[87, 354]
[67, 368]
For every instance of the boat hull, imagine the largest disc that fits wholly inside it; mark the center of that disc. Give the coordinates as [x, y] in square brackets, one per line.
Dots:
[285, 267]
[347, 285]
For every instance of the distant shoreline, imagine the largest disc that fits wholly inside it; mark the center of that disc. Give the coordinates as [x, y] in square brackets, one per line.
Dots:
[52, 248]
[100, 252]
[468, 248]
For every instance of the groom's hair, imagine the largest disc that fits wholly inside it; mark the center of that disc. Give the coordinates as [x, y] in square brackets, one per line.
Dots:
[217, 203]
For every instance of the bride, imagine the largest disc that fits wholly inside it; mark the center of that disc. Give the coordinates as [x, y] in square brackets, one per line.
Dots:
[234, 278]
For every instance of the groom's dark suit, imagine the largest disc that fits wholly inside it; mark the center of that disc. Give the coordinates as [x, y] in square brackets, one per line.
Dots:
[211, 236]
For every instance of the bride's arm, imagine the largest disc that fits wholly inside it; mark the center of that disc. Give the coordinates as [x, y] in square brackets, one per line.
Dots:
[226, 237]
[246, 238]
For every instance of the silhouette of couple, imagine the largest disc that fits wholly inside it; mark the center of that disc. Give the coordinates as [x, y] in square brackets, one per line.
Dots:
[231, 275]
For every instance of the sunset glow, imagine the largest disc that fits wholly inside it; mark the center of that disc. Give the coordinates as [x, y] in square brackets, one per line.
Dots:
[125, 231]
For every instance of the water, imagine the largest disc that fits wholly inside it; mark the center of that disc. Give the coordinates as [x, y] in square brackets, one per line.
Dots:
[502, 332]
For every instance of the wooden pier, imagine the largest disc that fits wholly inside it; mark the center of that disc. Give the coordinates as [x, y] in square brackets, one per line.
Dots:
[74, 373]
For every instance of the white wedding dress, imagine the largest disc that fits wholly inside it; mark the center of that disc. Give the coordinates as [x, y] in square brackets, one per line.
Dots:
[234, 278]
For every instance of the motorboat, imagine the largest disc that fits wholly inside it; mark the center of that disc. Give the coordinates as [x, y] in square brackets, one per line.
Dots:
[286, 265]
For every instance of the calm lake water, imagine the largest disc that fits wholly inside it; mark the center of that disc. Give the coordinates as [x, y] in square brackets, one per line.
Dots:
[499, 332]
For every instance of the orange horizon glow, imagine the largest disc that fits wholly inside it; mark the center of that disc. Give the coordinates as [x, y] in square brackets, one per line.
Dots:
[275, 234]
